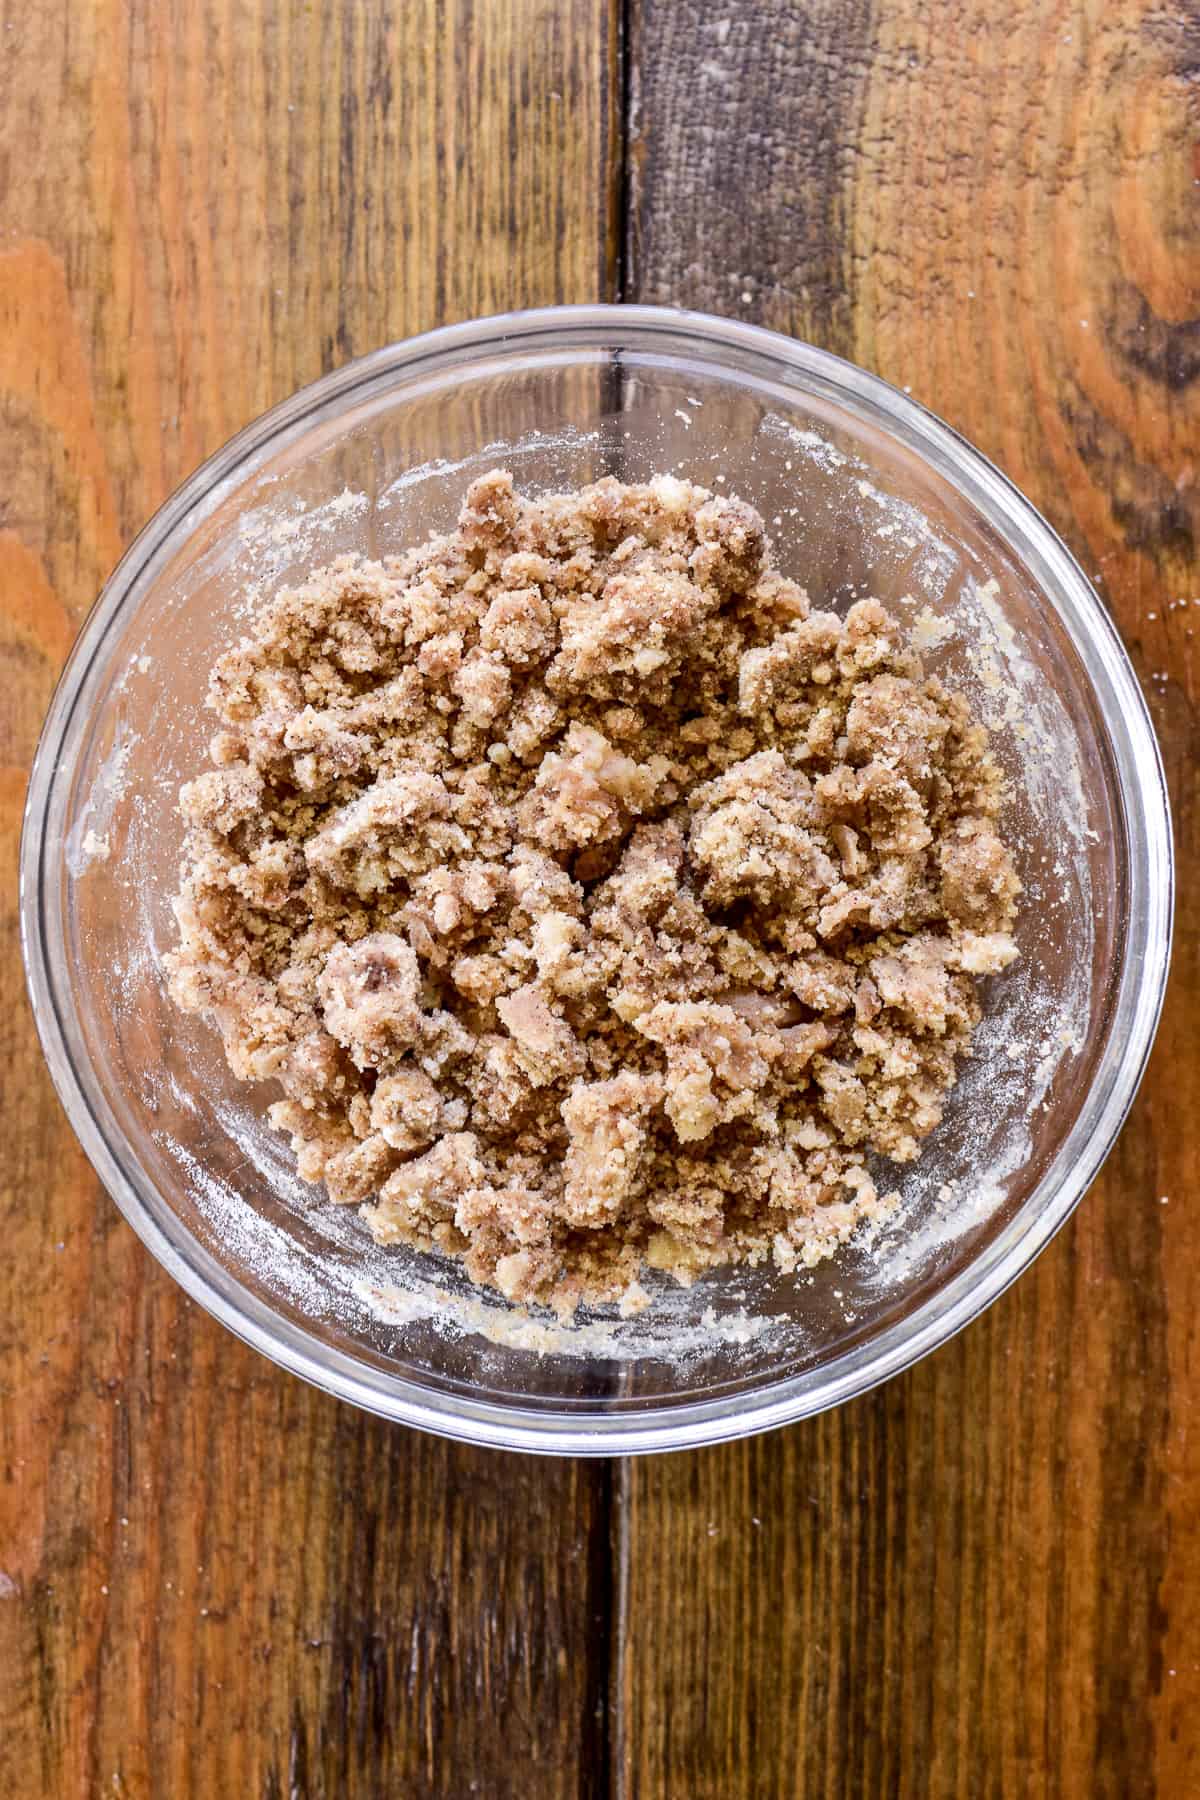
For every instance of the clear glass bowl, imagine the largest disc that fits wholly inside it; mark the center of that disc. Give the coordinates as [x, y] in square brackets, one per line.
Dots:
[864, 492]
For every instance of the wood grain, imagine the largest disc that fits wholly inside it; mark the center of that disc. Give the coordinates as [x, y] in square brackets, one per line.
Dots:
[214, 1580]
[984, 1579]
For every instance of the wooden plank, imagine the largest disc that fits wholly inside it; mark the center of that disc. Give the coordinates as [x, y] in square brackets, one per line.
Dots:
[213, 1580]
[984, 1579]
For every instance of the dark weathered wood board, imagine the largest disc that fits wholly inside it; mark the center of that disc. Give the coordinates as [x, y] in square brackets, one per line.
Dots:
[984, 1579]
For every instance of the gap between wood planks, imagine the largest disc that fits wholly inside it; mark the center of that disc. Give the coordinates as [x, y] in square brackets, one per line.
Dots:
[612, 1589]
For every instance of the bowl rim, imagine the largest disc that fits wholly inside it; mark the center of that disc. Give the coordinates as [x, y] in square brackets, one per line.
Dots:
[1142, 973]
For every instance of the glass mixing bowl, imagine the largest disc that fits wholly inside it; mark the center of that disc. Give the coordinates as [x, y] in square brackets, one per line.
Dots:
[864, 492]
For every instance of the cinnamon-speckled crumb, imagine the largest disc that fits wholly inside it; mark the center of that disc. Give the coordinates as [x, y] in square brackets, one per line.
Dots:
[594, 903]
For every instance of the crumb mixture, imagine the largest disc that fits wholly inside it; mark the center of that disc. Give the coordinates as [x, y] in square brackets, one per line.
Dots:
[594, 902]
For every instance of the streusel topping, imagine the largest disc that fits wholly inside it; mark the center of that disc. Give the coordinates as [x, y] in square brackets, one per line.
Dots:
[593, 901]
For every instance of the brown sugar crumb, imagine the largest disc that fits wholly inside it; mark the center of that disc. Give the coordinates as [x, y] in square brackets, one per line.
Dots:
[594, 903]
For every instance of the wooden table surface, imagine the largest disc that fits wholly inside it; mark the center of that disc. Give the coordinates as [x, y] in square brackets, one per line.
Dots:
[983, 1579]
